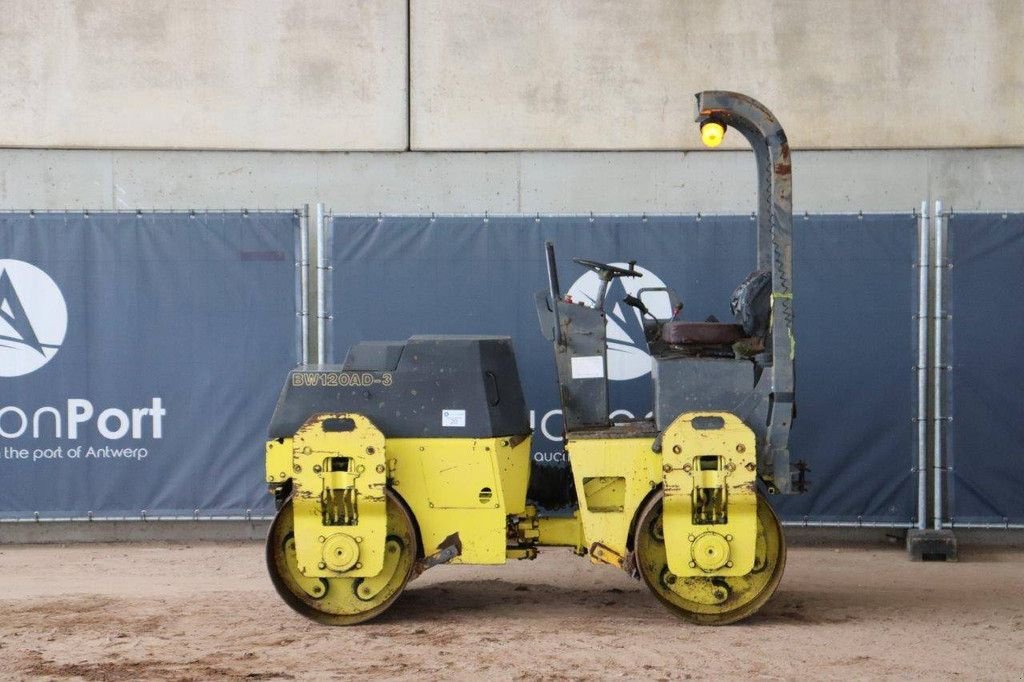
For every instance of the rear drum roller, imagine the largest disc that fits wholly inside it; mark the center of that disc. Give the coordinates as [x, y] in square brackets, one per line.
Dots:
[712, 600]
[342, 601]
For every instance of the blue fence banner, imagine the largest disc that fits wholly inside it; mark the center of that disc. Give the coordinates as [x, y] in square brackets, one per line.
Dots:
[984, 289]
[141, 355]
[855, 296]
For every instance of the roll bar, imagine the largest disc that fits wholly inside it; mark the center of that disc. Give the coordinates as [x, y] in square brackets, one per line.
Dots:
[774, 247]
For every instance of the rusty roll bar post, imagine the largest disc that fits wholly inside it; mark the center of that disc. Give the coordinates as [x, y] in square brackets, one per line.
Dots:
[774, 251]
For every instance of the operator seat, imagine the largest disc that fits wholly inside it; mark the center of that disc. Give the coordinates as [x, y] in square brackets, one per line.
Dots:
[750, 303]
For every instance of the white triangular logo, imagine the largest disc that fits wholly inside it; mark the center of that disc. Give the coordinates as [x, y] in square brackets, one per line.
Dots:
[7, 330]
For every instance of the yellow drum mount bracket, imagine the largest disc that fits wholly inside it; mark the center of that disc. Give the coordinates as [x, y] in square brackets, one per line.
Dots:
[710, 466]
[338, 496]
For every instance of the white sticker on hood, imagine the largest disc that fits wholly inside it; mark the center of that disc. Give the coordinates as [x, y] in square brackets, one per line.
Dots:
[588, 367]
[453, 418]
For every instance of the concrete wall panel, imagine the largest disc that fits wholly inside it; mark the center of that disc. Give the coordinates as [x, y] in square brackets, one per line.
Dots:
[605, 74]
[419, 183]
[213, 74]
[504, 182]
[55, 180]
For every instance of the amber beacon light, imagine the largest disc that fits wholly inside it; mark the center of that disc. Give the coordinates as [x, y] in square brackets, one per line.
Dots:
[712, 133]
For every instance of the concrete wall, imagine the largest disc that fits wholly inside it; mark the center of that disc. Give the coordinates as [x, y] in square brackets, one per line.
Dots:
[501, 75]
[580, 74]
[210, 74]
[159, 76]
[519, 182]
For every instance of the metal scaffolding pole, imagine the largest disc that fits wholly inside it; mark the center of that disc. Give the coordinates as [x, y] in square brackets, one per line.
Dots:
[938, 367]
[321, 278]
[1006, 525]
[923, 276]
[895, 525]
[304, 282]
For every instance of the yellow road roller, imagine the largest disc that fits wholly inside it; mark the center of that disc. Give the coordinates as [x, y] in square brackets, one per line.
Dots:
[417, 453]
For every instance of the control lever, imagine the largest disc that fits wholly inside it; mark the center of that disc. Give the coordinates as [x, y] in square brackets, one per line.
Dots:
[635, 302]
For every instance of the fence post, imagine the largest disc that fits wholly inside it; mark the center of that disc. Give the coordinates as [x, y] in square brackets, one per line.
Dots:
[321, 278]
[304, 282]
[934, 543]
[939, 366]
[923, 277]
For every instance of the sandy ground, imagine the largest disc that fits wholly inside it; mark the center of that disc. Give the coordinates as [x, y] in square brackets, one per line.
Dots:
[111, 612]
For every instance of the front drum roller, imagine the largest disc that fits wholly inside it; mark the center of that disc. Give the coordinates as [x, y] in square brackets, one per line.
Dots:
[343, 601]
[712, 600]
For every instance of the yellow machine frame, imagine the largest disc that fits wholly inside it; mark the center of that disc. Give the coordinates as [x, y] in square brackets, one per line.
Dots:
[472, 491]
[462, 487]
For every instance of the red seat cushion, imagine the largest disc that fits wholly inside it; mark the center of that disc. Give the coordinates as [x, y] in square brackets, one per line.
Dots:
[702, 333]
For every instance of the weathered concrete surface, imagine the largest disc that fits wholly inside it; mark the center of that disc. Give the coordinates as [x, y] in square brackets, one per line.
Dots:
[492, 74]
[214, 74]
[526, 182]
[584, 74]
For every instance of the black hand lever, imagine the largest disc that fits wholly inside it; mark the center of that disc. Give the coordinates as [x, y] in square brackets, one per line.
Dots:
[635, 302]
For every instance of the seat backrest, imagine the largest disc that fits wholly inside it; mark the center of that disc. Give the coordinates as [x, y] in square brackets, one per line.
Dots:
[751, 303]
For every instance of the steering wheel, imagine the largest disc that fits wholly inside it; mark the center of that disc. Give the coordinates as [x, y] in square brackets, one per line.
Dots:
[608, 272]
